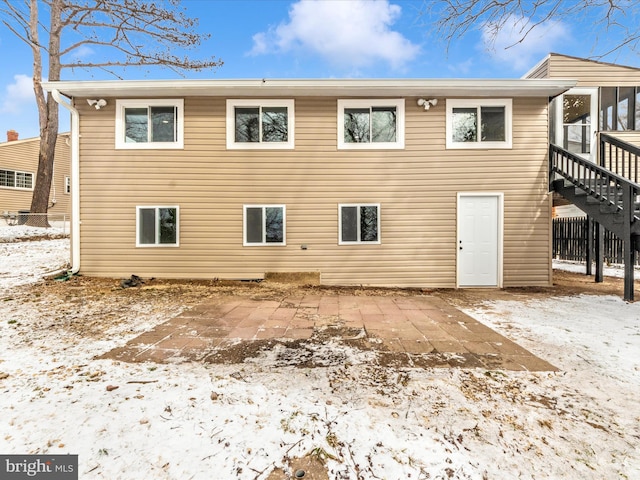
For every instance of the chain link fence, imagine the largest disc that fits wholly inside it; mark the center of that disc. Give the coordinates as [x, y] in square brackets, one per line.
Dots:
[57, 221]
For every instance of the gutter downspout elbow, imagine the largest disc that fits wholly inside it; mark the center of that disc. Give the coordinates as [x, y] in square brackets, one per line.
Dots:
[75, 180]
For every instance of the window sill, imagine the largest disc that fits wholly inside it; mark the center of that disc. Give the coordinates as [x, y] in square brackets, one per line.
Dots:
[150, 146]
[260, 146]
[480, 146]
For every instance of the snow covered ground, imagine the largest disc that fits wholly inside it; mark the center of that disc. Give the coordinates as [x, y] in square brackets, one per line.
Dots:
[579, 267]
[365, 421]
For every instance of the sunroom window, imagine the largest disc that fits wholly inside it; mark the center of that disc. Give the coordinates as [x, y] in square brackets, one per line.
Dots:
[479, 123]
[149, 124]
[260, 124]
[619, 108]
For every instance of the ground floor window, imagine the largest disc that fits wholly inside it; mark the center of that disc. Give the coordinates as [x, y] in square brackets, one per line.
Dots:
[13, 179]
[264, 225]
[157, 226]
[359, 223]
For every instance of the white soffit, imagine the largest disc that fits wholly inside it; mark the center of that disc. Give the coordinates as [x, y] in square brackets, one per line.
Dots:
[314, 88]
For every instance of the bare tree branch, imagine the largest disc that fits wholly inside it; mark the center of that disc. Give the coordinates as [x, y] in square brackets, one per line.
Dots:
[453, 19]
[125, 33]
[11, 11]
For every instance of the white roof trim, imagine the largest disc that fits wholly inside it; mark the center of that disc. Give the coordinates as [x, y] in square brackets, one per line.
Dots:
[30, 139]
[313, 88]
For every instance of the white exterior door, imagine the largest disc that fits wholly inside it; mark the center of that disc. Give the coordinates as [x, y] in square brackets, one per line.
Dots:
[576, 121]
[479, 240]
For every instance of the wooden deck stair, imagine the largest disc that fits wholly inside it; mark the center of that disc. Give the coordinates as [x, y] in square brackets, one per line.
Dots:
[607, 193]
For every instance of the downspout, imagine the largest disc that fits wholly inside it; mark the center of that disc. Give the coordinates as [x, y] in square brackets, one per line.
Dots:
[75, 180]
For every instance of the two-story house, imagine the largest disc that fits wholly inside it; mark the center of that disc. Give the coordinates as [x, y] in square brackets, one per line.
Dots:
[412, 183]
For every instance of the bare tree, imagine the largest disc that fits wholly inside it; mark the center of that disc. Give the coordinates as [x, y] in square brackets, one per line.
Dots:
[455, 18]
[123, 33]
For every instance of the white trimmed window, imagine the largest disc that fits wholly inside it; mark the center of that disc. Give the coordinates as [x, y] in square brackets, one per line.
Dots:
[67, 185]
[264, 225]
[371, 124]
[260, 124]
[149, 124]
[18, 180]
[157, 226]
[479, 123]
[359, 223]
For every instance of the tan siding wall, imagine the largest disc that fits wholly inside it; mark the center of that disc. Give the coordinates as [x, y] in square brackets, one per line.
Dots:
[542, 71]
[416, 188]
[62, 169]
[17, 156]
[592, 74]
[628, 136]
[23, 156]
[620, 162]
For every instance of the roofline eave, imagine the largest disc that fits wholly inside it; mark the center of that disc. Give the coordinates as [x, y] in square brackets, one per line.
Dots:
[313, 88]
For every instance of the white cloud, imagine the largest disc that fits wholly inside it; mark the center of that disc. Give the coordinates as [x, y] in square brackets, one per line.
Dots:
[17, 94]
[82, 53]
[348, 33]
[508, 45]
[462, 68]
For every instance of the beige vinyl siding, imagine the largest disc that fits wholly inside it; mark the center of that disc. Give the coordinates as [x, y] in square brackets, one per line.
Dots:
[62, 169]
[629, 136]
[541, 70]
[589, 73]
[416, 188]
[22, 156]
[621, 162]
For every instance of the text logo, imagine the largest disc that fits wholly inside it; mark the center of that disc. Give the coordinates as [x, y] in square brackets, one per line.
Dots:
[39, 467]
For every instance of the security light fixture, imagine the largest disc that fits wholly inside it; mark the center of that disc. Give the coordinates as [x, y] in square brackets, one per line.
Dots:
[98, 104]
[427, 104]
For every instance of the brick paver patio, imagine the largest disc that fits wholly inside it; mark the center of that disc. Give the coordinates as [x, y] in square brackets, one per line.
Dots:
[415, 330]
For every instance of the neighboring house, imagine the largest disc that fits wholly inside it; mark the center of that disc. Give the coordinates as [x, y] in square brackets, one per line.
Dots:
[411, 183]
[18, 168]
[605, 99]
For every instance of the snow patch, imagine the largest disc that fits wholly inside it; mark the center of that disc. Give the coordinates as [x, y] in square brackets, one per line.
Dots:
[204, 420]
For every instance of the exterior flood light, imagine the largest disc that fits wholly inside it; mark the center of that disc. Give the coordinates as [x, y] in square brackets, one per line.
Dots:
[427, 104]
[98, 104]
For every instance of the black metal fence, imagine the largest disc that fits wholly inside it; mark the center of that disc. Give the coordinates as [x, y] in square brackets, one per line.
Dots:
[570, 241]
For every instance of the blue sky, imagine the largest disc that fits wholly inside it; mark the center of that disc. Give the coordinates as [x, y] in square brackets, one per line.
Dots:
[323, 39]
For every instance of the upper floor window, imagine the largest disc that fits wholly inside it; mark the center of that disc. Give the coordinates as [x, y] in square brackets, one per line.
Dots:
[261, 124]
[370, 124]
[619, 108]
[479, 123]
[149, 124]
[13, 179]
[157, 226]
